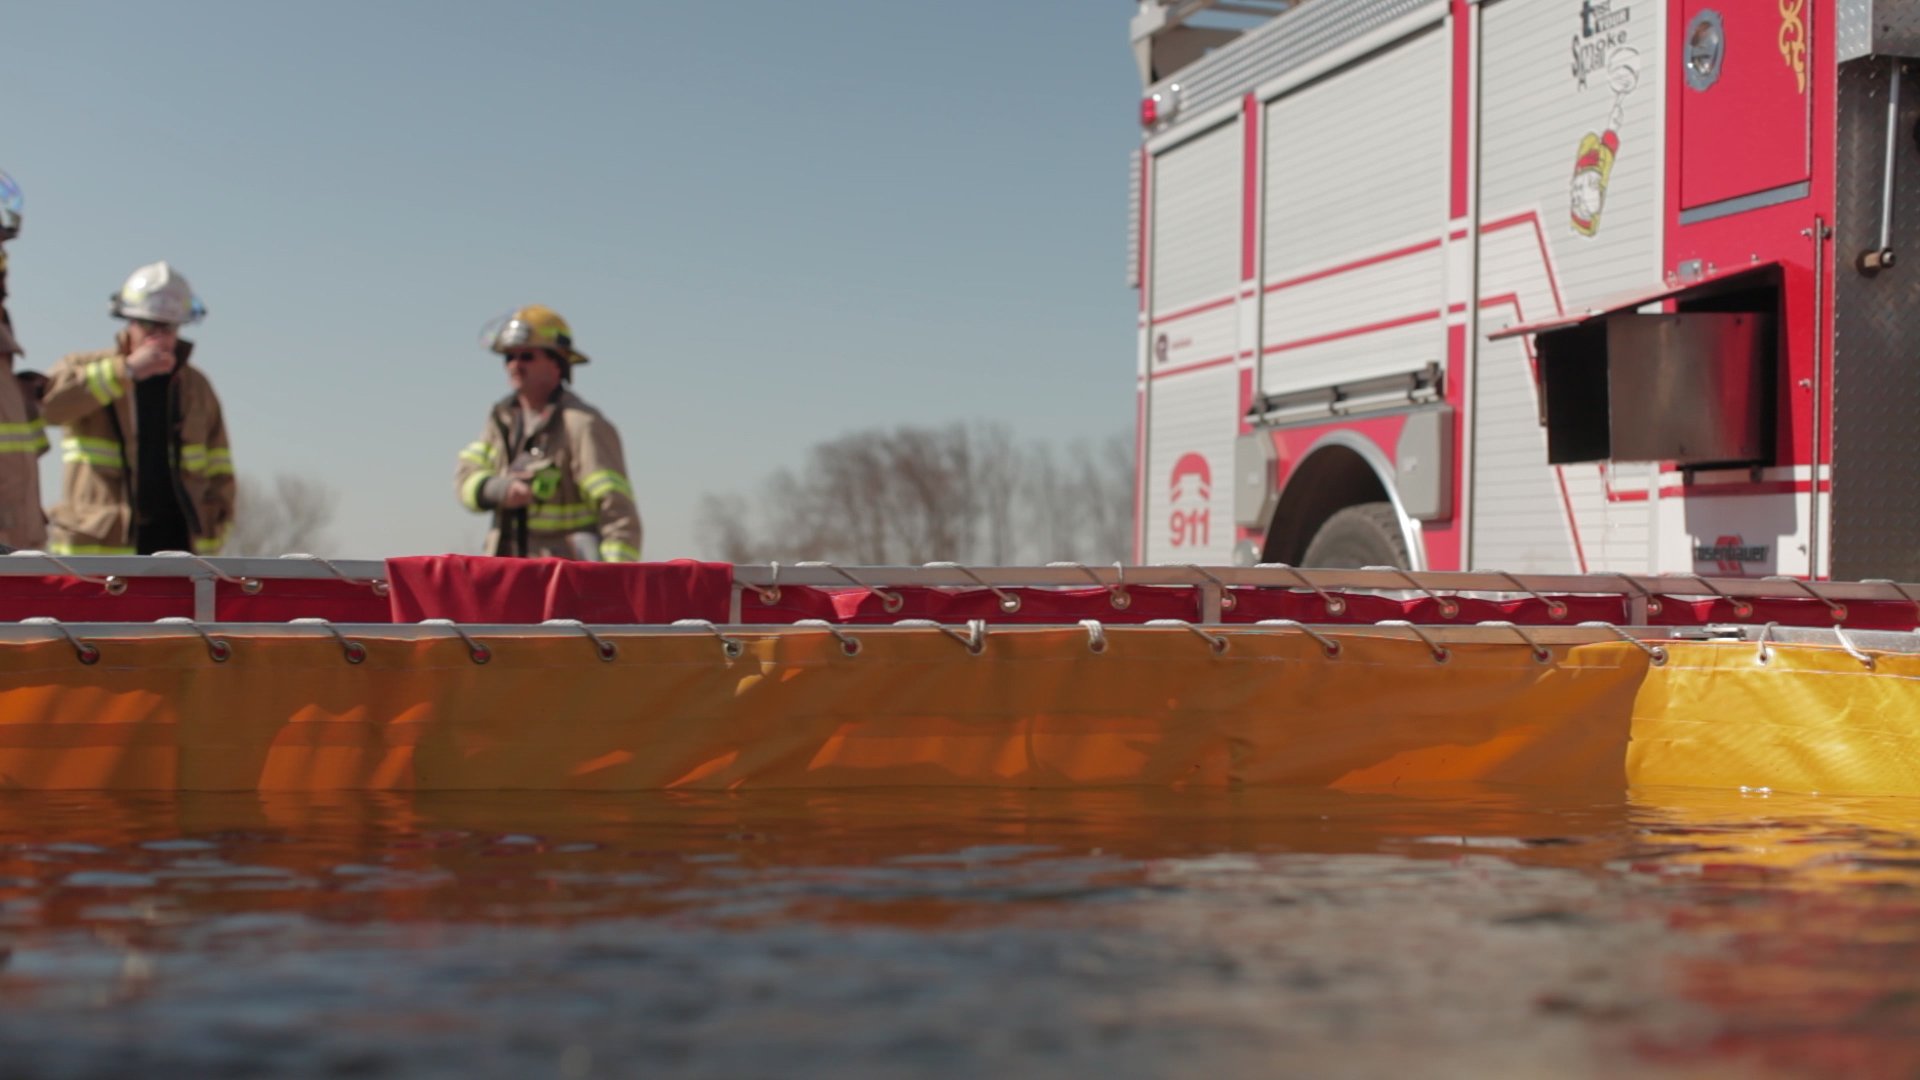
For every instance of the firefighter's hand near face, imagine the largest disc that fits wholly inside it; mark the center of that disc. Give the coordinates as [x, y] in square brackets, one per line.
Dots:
[153, 352]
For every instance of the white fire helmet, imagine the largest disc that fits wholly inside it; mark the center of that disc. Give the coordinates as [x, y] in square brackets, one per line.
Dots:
[157, 293]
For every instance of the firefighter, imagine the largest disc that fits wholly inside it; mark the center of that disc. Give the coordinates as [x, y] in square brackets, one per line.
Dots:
[23, 436]
[148, 467]
[548, 466]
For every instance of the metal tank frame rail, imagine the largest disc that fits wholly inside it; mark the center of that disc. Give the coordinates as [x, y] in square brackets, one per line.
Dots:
[94, 642]
[1643, 593]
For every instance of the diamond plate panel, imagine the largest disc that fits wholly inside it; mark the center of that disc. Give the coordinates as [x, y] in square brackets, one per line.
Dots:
[1877, 28]
[1282, 44]
[1876, 406]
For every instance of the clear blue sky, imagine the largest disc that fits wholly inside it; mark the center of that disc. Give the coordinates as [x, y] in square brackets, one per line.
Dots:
[769, 223]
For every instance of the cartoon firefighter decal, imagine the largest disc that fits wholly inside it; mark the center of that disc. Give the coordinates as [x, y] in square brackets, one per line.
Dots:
[1593, 163]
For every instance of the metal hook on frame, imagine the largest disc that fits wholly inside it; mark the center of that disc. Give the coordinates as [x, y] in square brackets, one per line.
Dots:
[1117, 594]
[1327, 644]
[1556, 609]
[219, 648]
[975, 639]
[1441, 654]
[1834, 607]
[1655, 653]
[356, 653]
[1449, 607]
[1541, 654]
[1741, 609]
[1336, 605]
[113, 583]
[890, 601]
[848, 643]
[602, 647]
[1009, 602]
[87, 651]
[1227, 599]
[250, 586]
[1217, 642]
[378, 585]
[476, 651]
[733, 647]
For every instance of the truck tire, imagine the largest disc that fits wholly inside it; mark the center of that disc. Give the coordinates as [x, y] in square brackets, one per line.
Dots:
[1364, 535]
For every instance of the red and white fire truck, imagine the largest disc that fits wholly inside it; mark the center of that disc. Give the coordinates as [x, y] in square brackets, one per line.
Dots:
[1541, 285]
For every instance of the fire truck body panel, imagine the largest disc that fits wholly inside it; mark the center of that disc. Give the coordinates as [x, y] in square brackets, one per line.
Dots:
[1555, 99]
[1379, 189]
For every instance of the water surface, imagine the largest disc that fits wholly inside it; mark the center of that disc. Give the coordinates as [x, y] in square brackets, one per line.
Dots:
[1461, 932]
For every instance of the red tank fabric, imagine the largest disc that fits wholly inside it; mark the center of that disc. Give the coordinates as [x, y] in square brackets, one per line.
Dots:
[71, 600]
[282, 600]
[478, 589]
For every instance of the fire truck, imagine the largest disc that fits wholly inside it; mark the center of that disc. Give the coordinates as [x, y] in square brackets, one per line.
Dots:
[1541, 285]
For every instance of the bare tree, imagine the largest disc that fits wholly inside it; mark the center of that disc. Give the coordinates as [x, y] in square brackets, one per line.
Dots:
[914, 495]
[290, 514]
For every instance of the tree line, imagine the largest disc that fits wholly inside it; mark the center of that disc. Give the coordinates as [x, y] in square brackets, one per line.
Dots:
[968, 493]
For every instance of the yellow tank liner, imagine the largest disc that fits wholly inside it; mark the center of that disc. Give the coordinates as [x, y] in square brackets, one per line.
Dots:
[316, 706]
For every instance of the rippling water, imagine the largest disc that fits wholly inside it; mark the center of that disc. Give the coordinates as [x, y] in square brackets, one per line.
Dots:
[1450, 933]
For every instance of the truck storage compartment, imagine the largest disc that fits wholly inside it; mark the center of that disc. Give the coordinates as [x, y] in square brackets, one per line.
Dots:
[1692, 388]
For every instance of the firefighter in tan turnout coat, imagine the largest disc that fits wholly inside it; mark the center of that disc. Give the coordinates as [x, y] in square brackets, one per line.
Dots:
[547, 465]
[23, 438]
[23, 435]
[147, 465]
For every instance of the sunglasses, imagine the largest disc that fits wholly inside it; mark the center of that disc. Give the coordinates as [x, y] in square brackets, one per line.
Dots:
[522, 354]
[153, 327]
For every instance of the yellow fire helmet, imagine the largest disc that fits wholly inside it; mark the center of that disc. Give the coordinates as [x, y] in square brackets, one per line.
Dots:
[535, 326]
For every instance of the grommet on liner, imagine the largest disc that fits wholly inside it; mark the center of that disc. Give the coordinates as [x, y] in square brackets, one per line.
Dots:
[732, 646]
[1440, 652]
[1009, 602]
[1327, 644]
[602, 646]
[890, 601]
[218, 648]
[848, 643]
[1096, 635]
[1853, 650]
[769, 593]
[1217, 642]
[356, 652]
[476, 652]
[87, 651]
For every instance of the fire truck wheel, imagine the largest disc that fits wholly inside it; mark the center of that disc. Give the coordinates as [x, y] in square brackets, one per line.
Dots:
[1363, 535]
